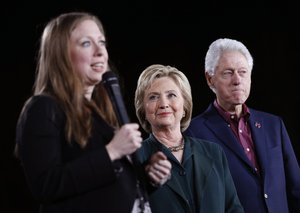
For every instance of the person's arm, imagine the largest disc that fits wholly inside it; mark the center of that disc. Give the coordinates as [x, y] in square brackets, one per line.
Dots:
[44, 150]
[292, 171]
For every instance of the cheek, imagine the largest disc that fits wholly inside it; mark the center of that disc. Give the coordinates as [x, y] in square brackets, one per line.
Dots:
[179, 108]
[248, 90]
[247, 85]
[222, 87]
[79, 60]
[150, 109]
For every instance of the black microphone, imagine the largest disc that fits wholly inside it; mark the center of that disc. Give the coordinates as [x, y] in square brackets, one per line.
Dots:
[111, 84]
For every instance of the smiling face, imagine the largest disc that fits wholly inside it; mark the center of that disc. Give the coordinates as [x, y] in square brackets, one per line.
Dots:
[88, 52]
[163, 104]
[232, 80]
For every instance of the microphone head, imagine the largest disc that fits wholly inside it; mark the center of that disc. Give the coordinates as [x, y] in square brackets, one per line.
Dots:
[111, 84]
[109, 77]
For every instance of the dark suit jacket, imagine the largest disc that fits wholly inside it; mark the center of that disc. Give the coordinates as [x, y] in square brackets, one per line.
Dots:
[65, 178]
[278, 188]
[214, 187]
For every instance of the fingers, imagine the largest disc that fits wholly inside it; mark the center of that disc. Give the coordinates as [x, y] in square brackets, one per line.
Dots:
[159, 169]
[125, 141]
[158, 156]
[159, 177]
[132, 134]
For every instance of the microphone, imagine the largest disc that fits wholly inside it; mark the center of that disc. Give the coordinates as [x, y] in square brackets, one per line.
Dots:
[111, 84]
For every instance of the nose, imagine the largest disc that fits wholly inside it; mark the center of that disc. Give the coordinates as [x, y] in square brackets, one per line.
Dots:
[236, 78]
[164, 107]
[98, 49]
[163, 103]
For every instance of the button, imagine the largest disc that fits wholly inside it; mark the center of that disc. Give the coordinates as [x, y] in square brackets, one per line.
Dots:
[266, 196]
[232, 116]
[255, 169]
[240, 131]
[182, 173]
[228, 125]
[247, 149]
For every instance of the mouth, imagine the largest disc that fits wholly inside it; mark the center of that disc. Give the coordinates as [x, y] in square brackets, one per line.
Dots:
[164, 113]
[99, 66]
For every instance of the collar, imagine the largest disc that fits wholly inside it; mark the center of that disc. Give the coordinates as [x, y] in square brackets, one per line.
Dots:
[227, 116]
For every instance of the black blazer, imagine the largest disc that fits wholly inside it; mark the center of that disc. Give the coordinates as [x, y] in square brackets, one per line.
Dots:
[65, 178]
[214, 188]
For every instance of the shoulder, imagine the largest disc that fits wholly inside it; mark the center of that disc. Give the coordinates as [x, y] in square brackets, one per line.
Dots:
[204, 146]
[209, 112]
[146, 150]
[148, 146]
[40, 100]
[41, 107]
[41, 103]
[258, 114]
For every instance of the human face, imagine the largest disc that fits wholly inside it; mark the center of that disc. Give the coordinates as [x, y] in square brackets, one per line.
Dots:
[231, 81]
[88, 52]
[163, 103]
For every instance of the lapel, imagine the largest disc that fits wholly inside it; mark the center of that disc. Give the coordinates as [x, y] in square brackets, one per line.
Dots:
[222, 131]
[256, 124]
[174, 184]
[202, 171]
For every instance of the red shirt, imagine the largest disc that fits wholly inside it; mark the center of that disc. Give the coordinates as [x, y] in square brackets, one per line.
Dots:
[241, 130]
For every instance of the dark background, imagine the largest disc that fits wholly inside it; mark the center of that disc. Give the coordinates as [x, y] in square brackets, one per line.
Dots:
[141, 33]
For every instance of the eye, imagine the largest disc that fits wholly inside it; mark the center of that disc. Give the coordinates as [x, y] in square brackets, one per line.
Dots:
[227, 73]
[86, 43]
[102, 42]
[153, 97]
[243, 72]
[172, 95]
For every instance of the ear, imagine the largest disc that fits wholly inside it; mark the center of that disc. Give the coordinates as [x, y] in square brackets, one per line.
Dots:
[209, 80]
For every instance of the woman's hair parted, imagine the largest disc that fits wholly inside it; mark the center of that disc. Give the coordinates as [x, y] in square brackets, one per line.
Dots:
[56, 77]
[147, 77]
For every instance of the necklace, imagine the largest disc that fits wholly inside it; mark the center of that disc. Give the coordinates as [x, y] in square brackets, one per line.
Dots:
[176, 148]
[173, 148]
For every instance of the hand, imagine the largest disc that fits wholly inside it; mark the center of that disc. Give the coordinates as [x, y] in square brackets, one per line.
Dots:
[125, 141]
[159, 168]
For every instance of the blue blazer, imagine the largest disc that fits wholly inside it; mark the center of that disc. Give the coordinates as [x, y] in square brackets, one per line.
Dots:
[277, 188]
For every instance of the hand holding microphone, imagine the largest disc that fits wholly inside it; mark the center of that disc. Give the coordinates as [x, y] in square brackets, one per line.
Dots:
[125, 142]
[128, 138]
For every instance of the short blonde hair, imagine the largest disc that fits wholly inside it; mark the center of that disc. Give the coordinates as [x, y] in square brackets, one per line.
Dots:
[147, 77]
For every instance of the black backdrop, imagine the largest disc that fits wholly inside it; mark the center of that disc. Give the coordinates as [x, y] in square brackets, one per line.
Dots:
[141, 33]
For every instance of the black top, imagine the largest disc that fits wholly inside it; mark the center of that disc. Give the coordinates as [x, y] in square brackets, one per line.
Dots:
[64, 177]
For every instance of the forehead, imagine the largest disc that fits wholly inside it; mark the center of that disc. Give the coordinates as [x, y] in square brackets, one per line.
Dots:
[233, 57]
[163, 83]
[86, 27]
